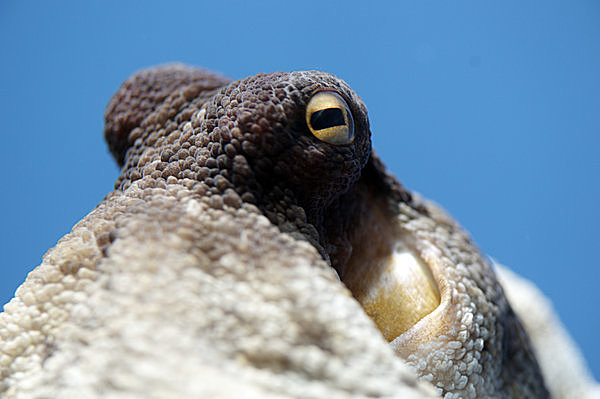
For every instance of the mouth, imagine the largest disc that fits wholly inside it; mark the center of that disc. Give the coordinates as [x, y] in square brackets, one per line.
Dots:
[389, 273]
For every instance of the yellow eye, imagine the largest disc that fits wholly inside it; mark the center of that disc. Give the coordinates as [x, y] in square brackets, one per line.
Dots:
[329, 118]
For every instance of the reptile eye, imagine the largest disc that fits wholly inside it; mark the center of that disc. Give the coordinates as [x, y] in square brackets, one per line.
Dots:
[329, 118]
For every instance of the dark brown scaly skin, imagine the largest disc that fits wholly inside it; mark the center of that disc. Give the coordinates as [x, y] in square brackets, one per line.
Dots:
[256, 149]
[243, 148]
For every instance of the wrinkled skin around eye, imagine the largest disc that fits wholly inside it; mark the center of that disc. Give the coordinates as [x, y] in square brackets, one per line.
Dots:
[216, 267]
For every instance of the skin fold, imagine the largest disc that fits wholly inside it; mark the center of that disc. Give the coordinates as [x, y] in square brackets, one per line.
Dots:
[234, 254]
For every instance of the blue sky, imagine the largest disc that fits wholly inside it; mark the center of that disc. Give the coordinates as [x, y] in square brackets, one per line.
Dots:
[492, 109]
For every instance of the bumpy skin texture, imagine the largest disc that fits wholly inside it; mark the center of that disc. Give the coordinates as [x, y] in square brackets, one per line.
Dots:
[212, 269]
[562, 363]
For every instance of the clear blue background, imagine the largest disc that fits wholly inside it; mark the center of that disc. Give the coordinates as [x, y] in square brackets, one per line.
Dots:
[490, 108]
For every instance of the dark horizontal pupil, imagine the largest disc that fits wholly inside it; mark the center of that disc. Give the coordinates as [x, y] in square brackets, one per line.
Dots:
[326, 118]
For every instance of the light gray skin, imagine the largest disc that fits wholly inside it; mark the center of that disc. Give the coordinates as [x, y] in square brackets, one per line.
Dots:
[213, 269]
